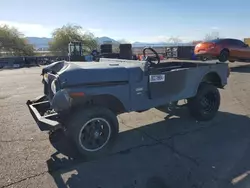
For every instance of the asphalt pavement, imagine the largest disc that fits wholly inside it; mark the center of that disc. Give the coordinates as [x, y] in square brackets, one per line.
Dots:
[153, 150]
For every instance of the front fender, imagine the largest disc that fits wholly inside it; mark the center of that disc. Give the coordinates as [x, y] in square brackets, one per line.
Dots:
[83, 94]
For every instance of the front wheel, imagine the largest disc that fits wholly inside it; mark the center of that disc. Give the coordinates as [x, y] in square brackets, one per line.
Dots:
[223, 57]
[205, 105]
[93, 130]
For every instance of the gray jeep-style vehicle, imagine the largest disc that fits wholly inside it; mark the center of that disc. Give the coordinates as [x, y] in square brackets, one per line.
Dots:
[84, 98]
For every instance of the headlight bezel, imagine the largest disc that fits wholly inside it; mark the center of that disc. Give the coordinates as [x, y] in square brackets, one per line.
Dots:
[53, 86]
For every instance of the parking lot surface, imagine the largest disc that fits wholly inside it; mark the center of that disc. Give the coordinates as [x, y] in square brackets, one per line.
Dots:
[153, 150]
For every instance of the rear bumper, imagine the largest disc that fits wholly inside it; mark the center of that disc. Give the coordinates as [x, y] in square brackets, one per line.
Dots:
[37, 108]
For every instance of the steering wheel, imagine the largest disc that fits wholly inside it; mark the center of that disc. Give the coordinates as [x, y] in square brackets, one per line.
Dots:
[150, 59]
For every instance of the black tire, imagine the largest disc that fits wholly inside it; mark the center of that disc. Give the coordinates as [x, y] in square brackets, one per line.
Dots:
[203, 58]
[205, 105]
[223, 57]
[79, 123]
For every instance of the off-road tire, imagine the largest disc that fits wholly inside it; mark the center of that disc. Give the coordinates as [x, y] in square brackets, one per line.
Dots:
[223, 57]
[81, 117]
[205, 92]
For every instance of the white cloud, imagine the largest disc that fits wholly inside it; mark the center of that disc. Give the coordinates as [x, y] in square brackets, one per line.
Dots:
[38, 30]
[215, 28]
[95, 30]
[32, 30]
[162, 38]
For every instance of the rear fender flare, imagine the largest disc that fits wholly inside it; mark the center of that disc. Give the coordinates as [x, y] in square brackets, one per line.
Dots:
[211, 78]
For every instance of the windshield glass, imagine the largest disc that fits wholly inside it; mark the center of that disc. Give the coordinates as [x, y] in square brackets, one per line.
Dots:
[215, 40]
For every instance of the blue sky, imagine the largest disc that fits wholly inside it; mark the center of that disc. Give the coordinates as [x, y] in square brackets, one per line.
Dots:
[133, 20]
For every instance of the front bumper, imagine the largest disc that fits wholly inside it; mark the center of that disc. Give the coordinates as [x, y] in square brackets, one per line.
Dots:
[38, 108]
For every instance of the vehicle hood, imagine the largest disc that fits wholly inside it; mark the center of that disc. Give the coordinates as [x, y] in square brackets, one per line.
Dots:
[81, 73]
[54, 67]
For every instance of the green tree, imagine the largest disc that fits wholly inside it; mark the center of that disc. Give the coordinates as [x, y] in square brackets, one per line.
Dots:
[13, 42]
[61, 37]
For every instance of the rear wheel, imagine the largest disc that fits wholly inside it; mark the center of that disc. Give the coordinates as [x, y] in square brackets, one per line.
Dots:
[223, 57]
[204, 106]
[93, 130]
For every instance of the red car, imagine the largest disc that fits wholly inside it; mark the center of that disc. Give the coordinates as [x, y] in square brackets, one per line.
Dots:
[223, 50]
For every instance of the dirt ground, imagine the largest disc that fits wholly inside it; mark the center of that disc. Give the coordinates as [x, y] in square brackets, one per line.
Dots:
[153, 150]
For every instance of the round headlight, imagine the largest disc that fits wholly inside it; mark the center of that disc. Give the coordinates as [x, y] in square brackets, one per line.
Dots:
[53, 86]
[45, 77]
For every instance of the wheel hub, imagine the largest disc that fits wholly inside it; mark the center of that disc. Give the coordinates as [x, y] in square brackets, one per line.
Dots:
[208, 103]
[95, 134]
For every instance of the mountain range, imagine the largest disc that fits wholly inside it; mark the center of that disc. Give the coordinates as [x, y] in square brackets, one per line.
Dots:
[43, 43]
